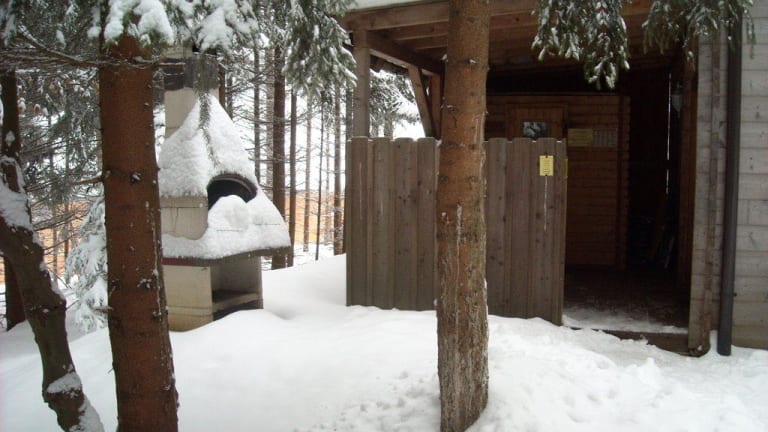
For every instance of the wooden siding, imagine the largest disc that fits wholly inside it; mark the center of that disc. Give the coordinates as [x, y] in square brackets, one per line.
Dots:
[750, 326]
[598, 200]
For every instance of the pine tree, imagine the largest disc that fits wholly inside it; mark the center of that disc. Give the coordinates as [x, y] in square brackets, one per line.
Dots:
[462, 315]
[88, 262]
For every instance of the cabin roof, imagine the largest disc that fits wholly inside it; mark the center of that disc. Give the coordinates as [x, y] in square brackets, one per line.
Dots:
[402, 33]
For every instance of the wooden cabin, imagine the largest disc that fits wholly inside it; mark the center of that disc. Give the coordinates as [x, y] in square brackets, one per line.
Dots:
[646, 176]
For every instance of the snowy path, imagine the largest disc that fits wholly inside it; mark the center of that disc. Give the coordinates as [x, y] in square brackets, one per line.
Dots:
[307, 363]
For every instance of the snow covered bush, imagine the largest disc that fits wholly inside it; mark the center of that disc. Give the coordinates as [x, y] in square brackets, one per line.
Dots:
[88, 264]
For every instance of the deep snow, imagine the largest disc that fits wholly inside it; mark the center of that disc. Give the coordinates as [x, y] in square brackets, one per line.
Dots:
[307, 363]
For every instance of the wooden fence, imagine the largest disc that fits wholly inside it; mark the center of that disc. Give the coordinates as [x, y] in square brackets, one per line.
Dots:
[390, 225]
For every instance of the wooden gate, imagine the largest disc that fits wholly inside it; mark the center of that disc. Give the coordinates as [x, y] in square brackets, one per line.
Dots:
[390, 225]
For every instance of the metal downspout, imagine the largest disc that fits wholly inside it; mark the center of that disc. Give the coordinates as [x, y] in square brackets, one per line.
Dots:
[731, 201]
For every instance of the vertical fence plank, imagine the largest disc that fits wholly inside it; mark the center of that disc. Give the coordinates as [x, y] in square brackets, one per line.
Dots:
[382, 226]
[406, 219]
[545, 242]
[495, 217]
[426, 233]
[560, 197]
[518, 232]
[356, 209]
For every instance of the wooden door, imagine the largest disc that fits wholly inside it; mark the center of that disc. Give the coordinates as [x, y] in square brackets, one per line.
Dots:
[536, 121]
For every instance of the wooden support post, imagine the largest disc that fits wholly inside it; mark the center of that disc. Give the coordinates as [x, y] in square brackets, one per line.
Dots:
[436, 103]
[362, 53]
[422, 100]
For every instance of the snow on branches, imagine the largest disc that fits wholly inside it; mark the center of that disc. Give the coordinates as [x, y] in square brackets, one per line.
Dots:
[593, 33]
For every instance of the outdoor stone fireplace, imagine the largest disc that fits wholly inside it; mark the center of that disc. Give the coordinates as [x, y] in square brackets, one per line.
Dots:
[217, 222]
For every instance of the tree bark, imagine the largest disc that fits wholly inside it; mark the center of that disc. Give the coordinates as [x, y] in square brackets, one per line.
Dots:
[256, 113]
[278, 146]
[307, 175]
[45, 307]
[14, 306]
[138, 320]
[292, 157]
[338, 229]
[462, 321]
[320, 185]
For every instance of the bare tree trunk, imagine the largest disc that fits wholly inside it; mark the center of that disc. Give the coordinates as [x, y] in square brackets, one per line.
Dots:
[292, 157]
[269, 66]
[462, 321]
[338, 229]
[278, 146]
[320, 185]
[307, 176]
[138, 318]
[348, 128]
[256, 112]
[45, 307]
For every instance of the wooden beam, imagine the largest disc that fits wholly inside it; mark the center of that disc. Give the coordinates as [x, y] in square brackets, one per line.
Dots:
[361, 125]
[399, 55]
[422, 101]
[436, 103]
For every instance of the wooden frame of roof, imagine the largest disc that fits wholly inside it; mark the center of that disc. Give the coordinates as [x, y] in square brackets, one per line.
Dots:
[412, 38]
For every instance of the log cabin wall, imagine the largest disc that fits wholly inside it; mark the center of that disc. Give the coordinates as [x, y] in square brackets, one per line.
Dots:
[598, 200]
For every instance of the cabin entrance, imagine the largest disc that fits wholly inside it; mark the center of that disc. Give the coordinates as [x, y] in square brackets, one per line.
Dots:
[624, 267]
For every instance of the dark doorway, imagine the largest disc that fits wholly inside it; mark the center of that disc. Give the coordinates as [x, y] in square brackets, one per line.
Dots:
[643, 295]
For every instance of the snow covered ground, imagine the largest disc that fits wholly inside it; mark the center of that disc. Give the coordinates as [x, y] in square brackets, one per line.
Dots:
[308, 363]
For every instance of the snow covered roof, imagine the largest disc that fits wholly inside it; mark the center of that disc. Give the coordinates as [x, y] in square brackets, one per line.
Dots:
[188, 161]
[234, 227]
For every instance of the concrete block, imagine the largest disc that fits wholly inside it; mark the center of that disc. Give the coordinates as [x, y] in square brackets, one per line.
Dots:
[188, 286]
[753, 161]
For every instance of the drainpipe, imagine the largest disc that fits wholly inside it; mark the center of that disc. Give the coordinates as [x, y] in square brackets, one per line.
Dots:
[731, 202]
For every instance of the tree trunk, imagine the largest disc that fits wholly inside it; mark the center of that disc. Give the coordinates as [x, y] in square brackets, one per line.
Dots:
[45, 306]
[462, 321]
[292, 156]
[307, 176]
[269, 66]
[348, 128]
[14, 307]
[256, 113]
[338, 229]
[320, 185]
[278, 146]
[138, 320]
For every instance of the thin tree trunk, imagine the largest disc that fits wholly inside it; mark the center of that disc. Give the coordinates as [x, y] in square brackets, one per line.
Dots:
[292, 157]
[138, 318]
[327, 219]
[278, 146]
[348, 128]
[256, 112]
[338, 229]
[45, 307]
[320, 185]
[307, 176]
[462, 320]
[269, 66]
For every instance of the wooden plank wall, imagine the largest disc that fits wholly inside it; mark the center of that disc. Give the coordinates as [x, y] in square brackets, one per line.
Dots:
[598, 200]
[391, 256]
[390, 209]
[525, 214]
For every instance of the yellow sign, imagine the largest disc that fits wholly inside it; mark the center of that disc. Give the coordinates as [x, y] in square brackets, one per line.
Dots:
[580, 137]
[546, 166]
